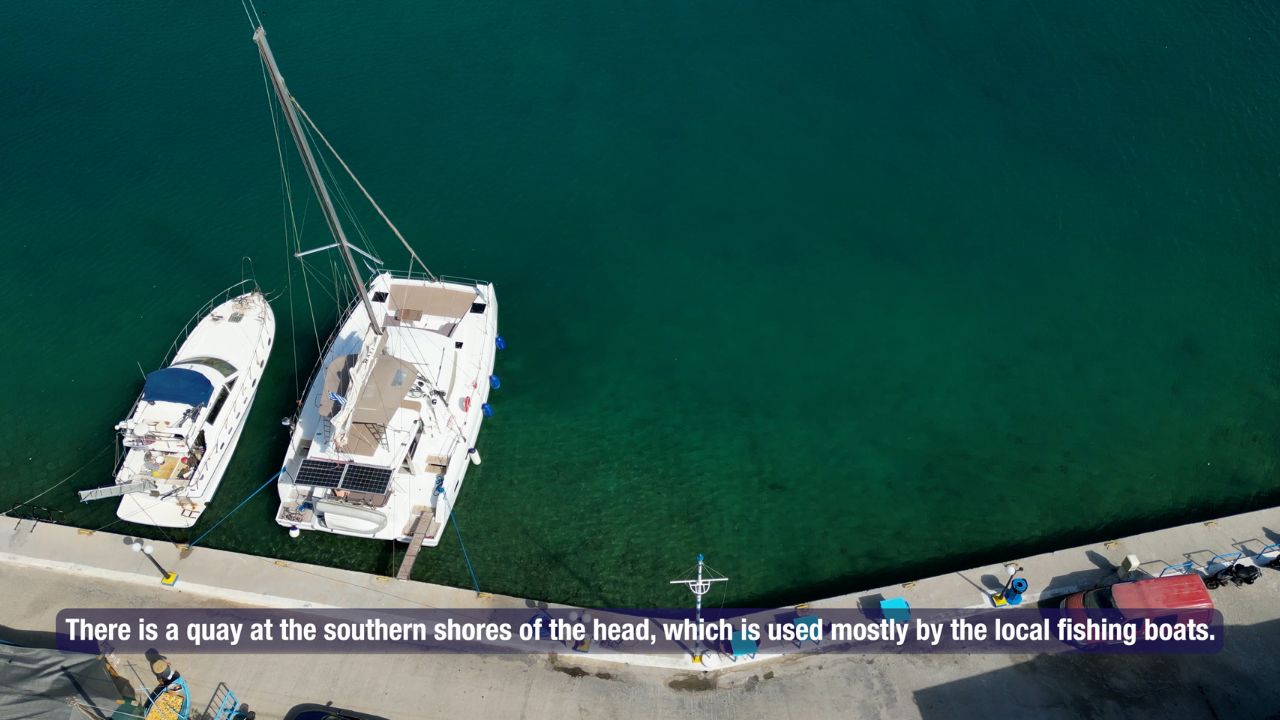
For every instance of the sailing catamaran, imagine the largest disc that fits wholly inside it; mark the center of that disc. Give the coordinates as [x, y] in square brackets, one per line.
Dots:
[388, 424]
[183, 429]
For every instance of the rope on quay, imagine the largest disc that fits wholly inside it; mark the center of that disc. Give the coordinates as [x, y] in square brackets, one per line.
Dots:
[247, 498]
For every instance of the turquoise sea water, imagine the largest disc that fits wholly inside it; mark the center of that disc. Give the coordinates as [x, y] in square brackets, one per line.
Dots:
[836, 293]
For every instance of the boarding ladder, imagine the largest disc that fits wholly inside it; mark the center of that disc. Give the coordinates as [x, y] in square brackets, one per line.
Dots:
[117, 490]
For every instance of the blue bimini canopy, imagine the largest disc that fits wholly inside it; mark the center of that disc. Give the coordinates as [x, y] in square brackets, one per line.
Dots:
[177, 385]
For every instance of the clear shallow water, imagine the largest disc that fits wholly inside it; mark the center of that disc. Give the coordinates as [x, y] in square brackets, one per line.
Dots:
[835, 293]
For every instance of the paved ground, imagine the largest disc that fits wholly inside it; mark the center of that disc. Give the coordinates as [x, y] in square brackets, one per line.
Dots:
[1242, 681]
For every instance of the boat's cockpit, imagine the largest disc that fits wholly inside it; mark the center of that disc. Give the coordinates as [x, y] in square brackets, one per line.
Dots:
[177, 404]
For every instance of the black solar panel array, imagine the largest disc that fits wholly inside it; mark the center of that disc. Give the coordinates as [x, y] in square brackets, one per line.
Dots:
[344, 476]
[361, 478]
[320, 473]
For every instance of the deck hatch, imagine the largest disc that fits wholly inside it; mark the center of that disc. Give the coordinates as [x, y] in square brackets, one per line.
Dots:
[344, 476]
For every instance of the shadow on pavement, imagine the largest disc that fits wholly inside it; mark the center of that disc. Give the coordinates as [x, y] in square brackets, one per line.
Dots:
[326, 712]
[29, 638]
[1237, 683]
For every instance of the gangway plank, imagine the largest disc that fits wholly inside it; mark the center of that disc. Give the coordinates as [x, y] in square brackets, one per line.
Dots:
[421, 524]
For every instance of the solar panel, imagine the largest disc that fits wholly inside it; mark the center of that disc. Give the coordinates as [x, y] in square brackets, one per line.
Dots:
[320, 473]
[345, 476]
[361, 478]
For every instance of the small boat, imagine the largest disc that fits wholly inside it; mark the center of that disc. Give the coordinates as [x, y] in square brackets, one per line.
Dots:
[183, 429]
[172, 702]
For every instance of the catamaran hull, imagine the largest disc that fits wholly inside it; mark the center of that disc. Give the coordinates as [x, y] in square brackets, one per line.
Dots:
[414, 497]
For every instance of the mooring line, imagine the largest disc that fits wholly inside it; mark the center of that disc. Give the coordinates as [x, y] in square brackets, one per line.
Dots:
[457, 528]
[249, 497]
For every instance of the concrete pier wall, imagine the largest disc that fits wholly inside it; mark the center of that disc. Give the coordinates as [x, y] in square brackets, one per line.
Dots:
[47, 568]
[215, 575]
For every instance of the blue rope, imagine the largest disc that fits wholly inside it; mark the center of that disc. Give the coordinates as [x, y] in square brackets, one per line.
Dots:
[457, 528]
[233, 512]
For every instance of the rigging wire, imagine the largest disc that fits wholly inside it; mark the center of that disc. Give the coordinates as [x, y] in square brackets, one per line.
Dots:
[342, 287]
[367, 196]
[339, 195]
[291, 223]
[315, 327]
[318, 278]
[286, 211]
[344, 206]
[293, 321]
[248, 16]
[724, 587]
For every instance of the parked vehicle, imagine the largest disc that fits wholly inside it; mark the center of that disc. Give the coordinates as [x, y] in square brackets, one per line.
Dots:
[1185, 597]
[1238, 574]
[326, 712]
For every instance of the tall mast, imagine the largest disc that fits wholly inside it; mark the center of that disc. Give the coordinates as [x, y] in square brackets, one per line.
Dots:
[313, 172]
[699, 587]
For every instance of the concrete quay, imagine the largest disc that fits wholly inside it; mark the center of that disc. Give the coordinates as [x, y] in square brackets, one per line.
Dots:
[47, 568]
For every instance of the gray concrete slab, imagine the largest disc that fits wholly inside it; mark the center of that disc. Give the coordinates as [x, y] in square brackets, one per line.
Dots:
[53, 568]
[1239, 682]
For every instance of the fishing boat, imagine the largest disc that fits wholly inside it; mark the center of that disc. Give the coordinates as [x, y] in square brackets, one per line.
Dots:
[387, 426]
[170, 702]
[183, 428]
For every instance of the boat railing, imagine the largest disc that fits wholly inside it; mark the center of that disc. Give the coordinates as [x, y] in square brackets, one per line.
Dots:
[411, 275]
[34, 513]
[462, 280]
[240, 288]
[324, 352]
[351, 307]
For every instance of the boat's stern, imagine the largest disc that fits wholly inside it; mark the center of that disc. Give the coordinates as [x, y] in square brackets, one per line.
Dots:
[153, 508]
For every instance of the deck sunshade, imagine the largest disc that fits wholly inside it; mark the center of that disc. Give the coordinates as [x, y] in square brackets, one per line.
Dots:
[177, 385]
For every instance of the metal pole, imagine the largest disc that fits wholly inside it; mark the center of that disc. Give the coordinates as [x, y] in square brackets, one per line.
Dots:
[152, 558]
[313, 172]
[698, 587]
[166, 577]
[697, 643]
[1013, 569]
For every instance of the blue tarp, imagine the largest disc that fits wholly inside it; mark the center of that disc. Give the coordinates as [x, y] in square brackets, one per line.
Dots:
[177, 385]
[739, 645]
[895, 609]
